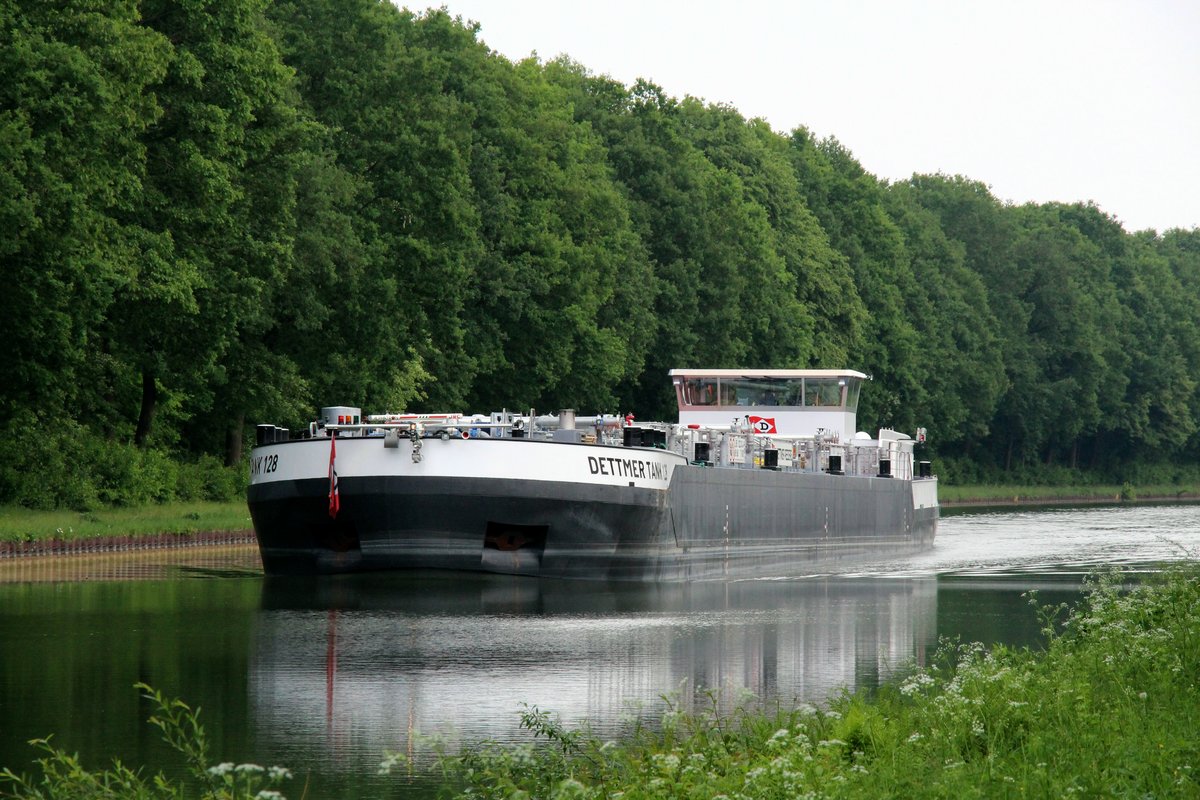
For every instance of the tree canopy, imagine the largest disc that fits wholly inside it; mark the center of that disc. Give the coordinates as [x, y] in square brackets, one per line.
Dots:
[218, 213]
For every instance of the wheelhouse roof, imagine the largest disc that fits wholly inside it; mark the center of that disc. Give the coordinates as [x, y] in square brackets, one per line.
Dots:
[767, 373]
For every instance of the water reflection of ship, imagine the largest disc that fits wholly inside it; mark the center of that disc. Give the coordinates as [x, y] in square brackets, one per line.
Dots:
[348, 666]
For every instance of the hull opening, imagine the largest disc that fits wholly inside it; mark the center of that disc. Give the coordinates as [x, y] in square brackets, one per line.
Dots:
[507, 537]
[513, 549]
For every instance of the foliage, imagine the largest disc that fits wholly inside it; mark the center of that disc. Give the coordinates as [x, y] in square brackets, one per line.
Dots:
[1106, 709]
[63, 464]
[208, 479]
[76, 102]
[63, 776]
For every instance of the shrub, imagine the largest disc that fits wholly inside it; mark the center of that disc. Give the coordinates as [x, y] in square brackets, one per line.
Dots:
[126, 475]
[208, 479]
[46, 465]
[63, 465]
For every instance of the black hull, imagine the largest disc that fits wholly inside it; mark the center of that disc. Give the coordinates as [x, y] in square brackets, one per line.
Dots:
[710, 524]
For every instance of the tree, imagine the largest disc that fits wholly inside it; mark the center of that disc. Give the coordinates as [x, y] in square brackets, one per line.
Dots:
[850, 206]
[744, 275]
[75, 100]
[1073, 320]
[968, 214]
[960, 364]
[215, 208]
[403, 136]
[558, 315]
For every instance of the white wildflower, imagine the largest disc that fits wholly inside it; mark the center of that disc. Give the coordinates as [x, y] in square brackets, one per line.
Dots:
[221, 770]
[666, 763]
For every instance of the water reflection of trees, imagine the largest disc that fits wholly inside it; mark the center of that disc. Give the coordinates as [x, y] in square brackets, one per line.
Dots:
[354, 665]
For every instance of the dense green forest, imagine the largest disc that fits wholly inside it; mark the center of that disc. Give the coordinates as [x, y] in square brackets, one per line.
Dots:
[220, 213]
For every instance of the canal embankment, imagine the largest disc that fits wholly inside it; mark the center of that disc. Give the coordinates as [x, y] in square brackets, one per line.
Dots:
[34, 533]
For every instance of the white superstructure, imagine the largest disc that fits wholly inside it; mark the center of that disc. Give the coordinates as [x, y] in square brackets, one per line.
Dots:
[798, 402]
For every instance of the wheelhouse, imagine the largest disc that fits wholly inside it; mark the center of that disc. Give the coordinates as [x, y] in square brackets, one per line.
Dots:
[796, 402]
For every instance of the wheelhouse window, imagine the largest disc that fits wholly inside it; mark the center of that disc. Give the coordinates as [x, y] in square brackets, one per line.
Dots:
[775, 392]
[701, 392]
[823, 391]
[853, 387]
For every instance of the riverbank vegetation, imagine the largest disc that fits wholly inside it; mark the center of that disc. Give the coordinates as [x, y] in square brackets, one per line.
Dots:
[1106, 709]
[230, 213]
[19, 524]
[950, 495]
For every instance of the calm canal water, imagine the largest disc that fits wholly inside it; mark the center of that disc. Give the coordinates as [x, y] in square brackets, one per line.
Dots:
[325, 675]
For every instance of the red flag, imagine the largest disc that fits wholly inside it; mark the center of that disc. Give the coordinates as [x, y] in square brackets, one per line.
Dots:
[763, 424]
[335, 501]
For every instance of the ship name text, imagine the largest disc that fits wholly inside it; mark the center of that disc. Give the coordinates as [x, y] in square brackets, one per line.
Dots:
[629, 468]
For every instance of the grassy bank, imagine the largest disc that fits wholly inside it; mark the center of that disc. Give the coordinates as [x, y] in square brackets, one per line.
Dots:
[1108, 709]
[25, 525]
[1014, 494]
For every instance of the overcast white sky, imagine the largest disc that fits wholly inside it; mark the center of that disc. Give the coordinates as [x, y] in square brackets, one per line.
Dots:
[1042, 101]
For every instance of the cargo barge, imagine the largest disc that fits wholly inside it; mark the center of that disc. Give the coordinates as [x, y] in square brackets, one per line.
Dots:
[763, 475]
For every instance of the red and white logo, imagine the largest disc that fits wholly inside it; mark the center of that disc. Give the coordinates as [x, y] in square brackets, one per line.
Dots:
[763, 424]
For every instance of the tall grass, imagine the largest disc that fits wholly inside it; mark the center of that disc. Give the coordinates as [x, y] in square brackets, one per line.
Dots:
[25, 525]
